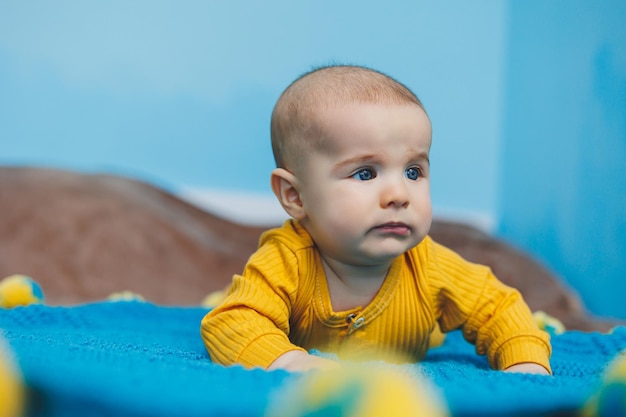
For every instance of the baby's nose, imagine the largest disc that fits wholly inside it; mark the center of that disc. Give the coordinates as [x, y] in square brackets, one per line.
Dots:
[395, 194]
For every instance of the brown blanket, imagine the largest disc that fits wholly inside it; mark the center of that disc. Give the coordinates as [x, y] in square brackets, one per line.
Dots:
[83, 237]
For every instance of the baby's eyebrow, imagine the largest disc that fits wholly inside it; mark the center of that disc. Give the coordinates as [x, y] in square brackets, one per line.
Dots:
[418, 156]
[357, 160]
[422, 157]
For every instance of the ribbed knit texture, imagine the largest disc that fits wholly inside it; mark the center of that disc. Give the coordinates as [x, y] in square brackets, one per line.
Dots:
[281, 302]
[132, 359]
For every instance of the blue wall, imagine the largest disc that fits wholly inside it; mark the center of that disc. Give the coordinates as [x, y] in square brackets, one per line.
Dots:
[180, 93]
[564, 154]
[526, 99]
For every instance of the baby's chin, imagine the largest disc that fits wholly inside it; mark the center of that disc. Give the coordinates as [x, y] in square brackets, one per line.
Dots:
[377, 258]
[392, 247]
[370, 253]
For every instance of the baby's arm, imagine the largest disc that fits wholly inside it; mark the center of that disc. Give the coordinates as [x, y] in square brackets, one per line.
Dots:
[502, 327]
[251, 326]
[492, 315]
[298, 361]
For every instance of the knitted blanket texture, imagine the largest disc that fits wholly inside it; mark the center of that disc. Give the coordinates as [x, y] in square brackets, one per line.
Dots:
[140, 359]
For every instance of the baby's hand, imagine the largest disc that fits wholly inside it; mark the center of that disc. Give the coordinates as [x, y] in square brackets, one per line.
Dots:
[528, 368]
[299, 361]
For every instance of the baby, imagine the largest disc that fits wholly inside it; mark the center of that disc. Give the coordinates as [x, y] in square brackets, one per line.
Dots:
[354, 272]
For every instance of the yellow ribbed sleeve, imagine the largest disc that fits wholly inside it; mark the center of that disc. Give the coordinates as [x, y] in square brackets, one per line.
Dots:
[281, 302]
[251, 326]
[491, 315]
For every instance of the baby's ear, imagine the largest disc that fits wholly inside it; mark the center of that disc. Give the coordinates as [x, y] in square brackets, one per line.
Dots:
[287, 189]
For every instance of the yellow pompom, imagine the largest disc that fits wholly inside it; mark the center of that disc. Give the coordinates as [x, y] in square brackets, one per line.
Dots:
[11, 388]
[548, 323]
[357, 391]
[214, 299]
[19, 290]
[125, 296]
[610, 398]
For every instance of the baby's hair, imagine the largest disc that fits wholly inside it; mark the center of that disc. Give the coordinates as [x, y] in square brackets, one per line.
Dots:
[295, 125]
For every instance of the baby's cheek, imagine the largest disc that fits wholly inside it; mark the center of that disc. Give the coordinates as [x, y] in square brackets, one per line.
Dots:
[348, 227]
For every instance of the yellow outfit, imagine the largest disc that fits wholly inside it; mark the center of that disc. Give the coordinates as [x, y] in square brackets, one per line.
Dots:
[281, 302]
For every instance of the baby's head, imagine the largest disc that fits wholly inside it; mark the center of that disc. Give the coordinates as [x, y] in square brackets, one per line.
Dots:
[352, 153]
[297, 126]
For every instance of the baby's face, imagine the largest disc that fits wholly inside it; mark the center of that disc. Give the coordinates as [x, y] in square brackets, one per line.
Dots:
[366, 194]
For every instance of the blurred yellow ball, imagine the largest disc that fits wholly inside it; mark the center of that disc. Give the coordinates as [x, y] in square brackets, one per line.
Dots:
[357, 391]
[214, 299]
[19, 290]
[11, 389]
[548, 323]
[125, 296]
[610, 399]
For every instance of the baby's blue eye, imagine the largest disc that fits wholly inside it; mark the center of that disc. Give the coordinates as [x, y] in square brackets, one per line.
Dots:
[364, 174]
[412, 173]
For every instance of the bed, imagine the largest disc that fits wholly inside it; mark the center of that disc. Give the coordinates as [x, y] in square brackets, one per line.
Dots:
[83, 237]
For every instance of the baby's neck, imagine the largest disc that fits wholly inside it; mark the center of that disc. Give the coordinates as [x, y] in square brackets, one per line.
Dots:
[353, 286]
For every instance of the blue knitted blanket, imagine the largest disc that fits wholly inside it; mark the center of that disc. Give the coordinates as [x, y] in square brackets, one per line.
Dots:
[140, 359]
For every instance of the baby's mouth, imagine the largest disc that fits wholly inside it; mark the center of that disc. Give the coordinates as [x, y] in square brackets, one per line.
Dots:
[394, 228]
